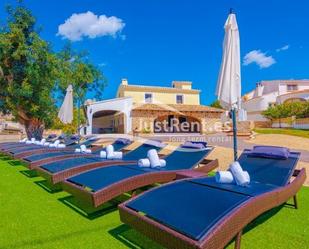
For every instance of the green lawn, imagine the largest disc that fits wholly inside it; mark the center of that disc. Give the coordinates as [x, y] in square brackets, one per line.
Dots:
[32, 217]
[292, 132]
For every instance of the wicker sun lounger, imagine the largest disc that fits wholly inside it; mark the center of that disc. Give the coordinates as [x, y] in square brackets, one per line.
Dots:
[201, 213]
[10, 145]
[70, 143]
[49, 138]
[16, 146]
[25, 151]
[37, 160]
[68, 149]
[58, 171]
[99, 186]
[20, 146]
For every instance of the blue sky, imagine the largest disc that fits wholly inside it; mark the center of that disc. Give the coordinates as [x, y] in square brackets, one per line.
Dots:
[153, 42]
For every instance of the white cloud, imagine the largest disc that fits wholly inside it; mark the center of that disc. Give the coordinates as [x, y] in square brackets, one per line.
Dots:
[260, 58]
[286, 47]
[90, 25]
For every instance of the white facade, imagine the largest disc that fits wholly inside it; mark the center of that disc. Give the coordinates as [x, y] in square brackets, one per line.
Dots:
[123, 105]
[273, 92]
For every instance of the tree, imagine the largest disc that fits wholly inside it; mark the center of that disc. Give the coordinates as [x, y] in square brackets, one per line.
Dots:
[82, 74]
[28, 72]
[32, 74]
[216, 104]
[69, 128]
[285, 110]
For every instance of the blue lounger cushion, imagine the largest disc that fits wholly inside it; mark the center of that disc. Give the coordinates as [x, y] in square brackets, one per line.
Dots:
[252, 189]
[24, 149]
[200, 142]
[139, 152]
[46, 155]
[35, 147]
[123, 141]
[95, 179]
[99, 178]
[270, 152]
[194, 145]
[183, 159]
[209, 202]
[51, 153]
[69, 163]
[269, 170]
[190, 214]
[119, 145]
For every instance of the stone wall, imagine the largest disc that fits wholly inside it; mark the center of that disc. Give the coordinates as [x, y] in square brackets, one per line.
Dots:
[262, 124]
[143, 120]
[296, 123]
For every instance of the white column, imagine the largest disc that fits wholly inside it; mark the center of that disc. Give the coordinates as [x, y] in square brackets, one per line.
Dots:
[128, 122]
[89, 117]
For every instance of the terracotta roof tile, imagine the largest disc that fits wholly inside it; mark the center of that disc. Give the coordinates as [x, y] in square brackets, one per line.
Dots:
[156, 89]
[180, 108]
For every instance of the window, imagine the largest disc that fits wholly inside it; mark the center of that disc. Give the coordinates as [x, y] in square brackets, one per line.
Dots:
[148, 97]
[291, 87]
[179, 99]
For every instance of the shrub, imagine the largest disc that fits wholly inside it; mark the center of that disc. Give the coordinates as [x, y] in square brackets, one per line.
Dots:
[296, 109]
[216, 104]
[69, 128]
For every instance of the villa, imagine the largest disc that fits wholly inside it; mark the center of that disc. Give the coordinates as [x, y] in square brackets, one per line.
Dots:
[273, 92]
[7, 124]
[151, 109]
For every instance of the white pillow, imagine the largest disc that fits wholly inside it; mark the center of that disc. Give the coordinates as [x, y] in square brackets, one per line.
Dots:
[153, 158]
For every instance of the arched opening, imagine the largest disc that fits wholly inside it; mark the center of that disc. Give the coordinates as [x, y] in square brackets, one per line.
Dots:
[292, 100]
[176, 124]
[108, 121]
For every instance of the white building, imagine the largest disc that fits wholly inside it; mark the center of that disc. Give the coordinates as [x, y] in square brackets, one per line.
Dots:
[268, 93]
[145, 108]
[7, 124]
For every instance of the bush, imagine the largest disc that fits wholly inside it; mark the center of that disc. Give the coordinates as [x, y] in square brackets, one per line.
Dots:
[69, 128]
[296, 109]
[146, 130]
[216, 104]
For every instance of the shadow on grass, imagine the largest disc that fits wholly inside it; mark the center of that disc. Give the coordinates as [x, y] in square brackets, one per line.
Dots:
[29, 173]
[5, 158]
[11, 161]
[86, 210]
[15, 163]
[262, 218]
[47, 186]
[49, 240]
[259, 220]
[132, 238]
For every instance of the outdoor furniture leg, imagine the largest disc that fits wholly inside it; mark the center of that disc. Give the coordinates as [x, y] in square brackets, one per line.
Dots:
[238, 240]
[295, 202]
[134, 193]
